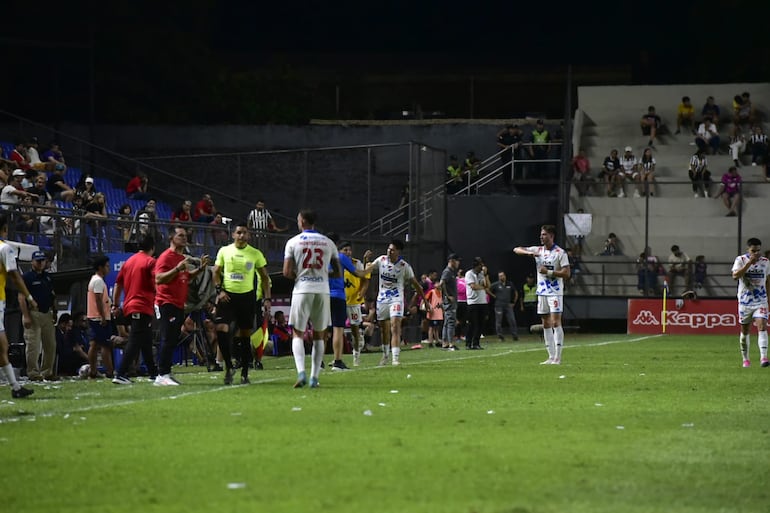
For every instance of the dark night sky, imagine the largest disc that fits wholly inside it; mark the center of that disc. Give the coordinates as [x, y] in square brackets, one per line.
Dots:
[160, 52]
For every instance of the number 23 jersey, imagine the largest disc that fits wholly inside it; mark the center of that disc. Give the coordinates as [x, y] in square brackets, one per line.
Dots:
[311, 253]
[393, 276]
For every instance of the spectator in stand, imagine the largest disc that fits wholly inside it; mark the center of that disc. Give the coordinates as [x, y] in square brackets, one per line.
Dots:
[700, 272]
[685, 115]
[730, 191]
[5, 172]
[125, 218]
[19, 157]
[54, 159]
[581, 173]
[647, 172]
[204, 210]
[137, 186]
[679, 264]
[13, 193]
[85, 189]
[743, 111]
[219, 232]
[509, 139]
[611, 246]
[539, 148]
[261, 220]
[610, 173]
[648, 268]
[629, 165]
[58, 188]
[454, 176]
[710, 110]
[700, 176]
[184, 215]
[33, 156]
[650, 124]
[38, 188]
[737, 146]
[708, 136]
[26, 221]
[758, 146]
[96, 212]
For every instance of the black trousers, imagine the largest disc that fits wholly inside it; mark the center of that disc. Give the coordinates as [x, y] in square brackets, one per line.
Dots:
[476, 314]
[139, 339]
[171, 319]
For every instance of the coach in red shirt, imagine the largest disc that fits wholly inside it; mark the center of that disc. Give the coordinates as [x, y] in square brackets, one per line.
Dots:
[136, 281]
[172, 282]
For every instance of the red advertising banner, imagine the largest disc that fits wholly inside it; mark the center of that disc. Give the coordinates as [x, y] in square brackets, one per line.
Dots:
[683, 317]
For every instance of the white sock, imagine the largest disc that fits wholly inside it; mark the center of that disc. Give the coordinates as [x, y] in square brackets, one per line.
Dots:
[762, 343]
[745, 343]
[317, 358]
[298, 350]
[386, 349]
[11, 376]
[396, 351]
[549, 342]
[558, 338]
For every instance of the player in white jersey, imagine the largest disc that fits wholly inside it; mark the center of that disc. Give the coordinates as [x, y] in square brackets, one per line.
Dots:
[306, 260]
[751, 271]
[394, 272]
[552, 265]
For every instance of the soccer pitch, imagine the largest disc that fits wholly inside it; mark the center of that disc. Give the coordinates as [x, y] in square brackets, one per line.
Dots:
[626, 424]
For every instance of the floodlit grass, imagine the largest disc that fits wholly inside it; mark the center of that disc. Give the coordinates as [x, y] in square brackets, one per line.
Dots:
[626, 424]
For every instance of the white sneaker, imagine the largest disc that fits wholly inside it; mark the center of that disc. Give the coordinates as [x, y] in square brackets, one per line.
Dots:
[383, 360]
[165, 380]
[556, 361]
[706, 194]
[621, 194]
[637, 195]
[547, 362]
[754, 164]
[396, 362]
[696, 195]
[356, 358]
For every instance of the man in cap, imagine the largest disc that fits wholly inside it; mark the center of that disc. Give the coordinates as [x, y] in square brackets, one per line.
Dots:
[13, 192]
[448, 287]
[39, 329]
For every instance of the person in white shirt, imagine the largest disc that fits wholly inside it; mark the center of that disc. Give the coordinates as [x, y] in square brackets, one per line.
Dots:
[307, 259]
[11, 194]
[552, 266]
[394, 272]
[476, 288]
[629, 171]
[751, 270]
[707, 136]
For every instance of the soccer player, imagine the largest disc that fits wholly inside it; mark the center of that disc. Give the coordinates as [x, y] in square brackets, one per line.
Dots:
[172, 280]
[355, 289]
[552, 267]
[751, 271]
[135, 279]
[8, 270]
[306, 260]
[394, 273]
[234, 271]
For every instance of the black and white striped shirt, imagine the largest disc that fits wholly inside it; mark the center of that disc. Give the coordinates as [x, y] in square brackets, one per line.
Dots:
[760, 139]
[260, 219]
[698, 163]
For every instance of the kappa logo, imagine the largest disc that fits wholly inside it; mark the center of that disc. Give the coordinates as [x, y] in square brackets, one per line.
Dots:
[691, 320]
[646, 318]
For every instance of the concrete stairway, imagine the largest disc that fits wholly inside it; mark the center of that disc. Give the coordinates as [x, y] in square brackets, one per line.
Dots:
[697, 225]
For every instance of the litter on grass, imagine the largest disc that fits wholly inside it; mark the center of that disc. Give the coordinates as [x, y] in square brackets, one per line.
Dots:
[394, 391]
[235, 486]
[381, 404]
[296, 408]
[408, 376]
[598, 404]
[562, 376]
[368, 413]
[688, 424]
[235, 413]
[490, 412]
[620, 427]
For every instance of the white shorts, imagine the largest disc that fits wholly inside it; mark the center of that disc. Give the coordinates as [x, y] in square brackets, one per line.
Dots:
[387, 310]
[753, 311]
[354, 315]
[310, 307]
[2, 316]
[549, 304]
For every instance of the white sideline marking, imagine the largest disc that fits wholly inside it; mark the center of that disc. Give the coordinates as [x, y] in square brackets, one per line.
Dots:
[477, 354]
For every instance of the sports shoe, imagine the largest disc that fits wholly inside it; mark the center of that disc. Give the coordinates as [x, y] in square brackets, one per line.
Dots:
[229, 376]
[764, 362]
[258, 365]
[547, 362]
[395, 362]
[621, 194]
[122, 380]
[301, 380]
[754, 164]
[746, 363]
[383, 360]
[416, 346]
[314, 383]
[502, 338]
[556, 361]
[51, 377]
[339, 365]
[696, 195]
[356, 359]
[165, 380]
[37, 377]
[706, 194]
[21, 393]
[245, 380]
[637, 195]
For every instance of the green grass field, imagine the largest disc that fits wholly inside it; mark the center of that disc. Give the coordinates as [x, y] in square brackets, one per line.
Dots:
[626, 424]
